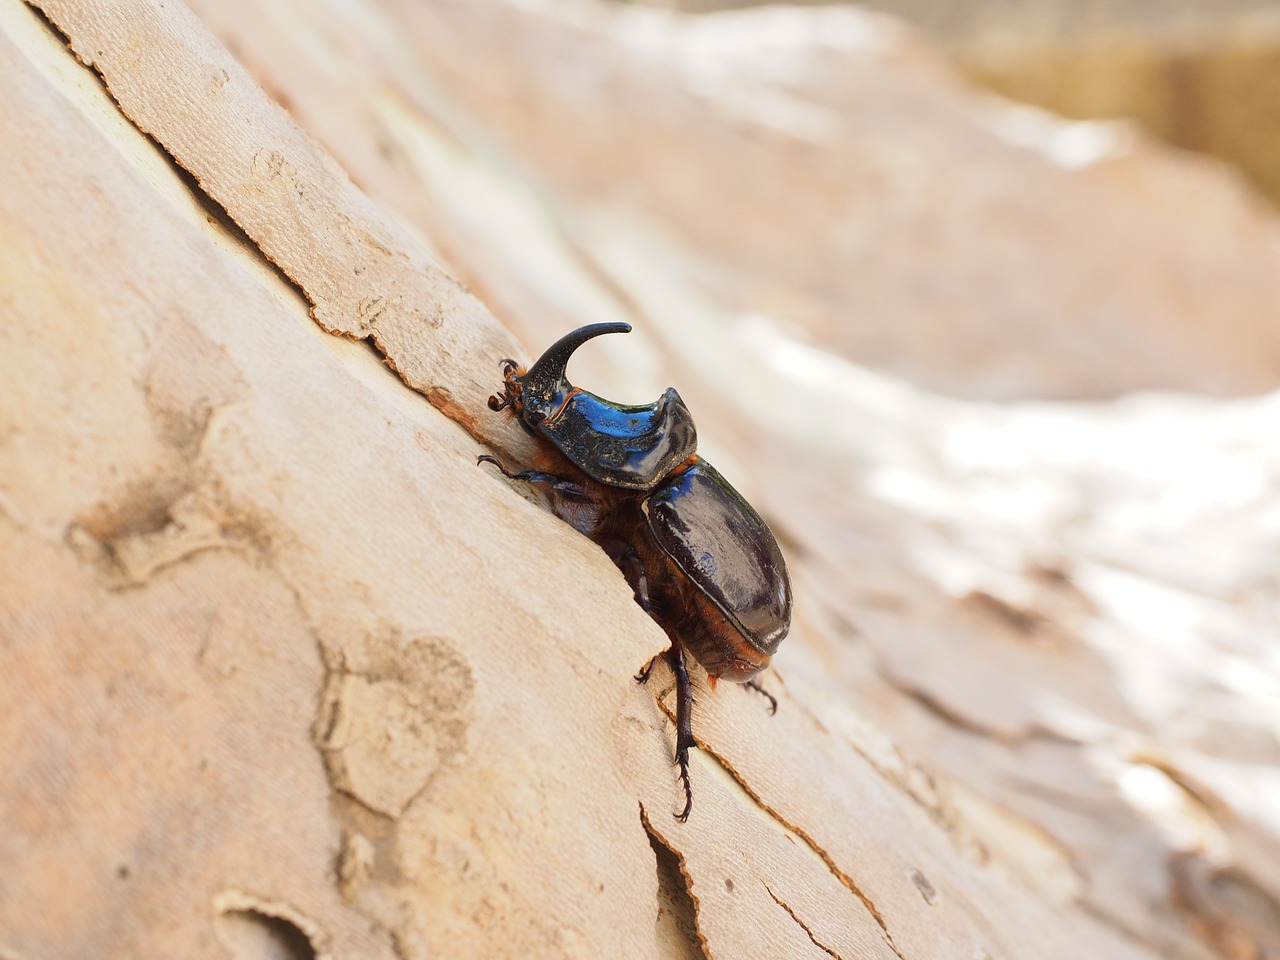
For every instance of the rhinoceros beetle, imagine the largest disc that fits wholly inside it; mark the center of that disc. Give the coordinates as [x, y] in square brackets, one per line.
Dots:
[698, 557]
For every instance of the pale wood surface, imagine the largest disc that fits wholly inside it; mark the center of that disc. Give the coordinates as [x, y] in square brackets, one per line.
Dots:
[274, 647]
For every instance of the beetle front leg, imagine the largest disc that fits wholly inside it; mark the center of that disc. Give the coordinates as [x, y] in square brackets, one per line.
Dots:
[566, 489]
[684, 724]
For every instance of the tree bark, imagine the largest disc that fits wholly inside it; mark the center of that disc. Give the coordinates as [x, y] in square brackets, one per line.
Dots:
[286, 674]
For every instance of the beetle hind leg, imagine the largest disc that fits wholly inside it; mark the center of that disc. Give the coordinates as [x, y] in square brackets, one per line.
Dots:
[684, 716]
[773, 701]
[684, 724]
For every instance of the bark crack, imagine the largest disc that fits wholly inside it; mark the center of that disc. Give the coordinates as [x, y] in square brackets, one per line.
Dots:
[846, 881]
[844, 878]
[699, 941]
[203, 196]
[800, 923]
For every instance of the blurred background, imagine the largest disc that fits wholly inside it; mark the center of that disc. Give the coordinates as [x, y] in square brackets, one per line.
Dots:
[1198, 74]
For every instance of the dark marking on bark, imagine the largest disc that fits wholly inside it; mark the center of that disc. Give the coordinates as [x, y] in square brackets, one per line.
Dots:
[800, 923]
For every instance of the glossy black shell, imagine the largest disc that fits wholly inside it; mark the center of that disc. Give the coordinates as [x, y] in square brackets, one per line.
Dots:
[623, 446]
[632, 447]
[726, 549]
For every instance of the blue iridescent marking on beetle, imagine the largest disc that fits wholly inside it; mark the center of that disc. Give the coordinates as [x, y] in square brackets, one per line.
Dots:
[632, 447]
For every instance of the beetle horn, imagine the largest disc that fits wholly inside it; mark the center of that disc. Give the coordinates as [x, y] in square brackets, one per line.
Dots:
[546, 377]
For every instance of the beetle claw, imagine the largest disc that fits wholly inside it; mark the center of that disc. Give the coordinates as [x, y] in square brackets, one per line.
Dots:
[643, 675]
[487, 458]
[683, 815]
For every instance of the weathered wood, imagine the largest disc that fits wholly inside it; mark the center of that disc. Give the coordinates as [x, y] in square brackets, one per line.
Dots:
[281, 665]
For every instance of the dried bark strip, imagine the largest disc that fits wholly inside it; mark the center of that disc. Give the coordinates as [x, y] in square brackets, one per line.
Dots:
[364, 276]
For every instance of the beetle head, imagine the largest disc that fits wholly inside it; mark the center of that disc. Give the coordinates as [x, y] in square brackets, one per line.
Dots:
[545, 388]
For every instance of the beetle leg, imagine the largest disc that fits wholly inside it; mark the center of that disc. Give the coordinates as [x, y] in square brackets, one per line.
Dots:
[509, 393]
[628, 561]
[565, 488]
[643, 675]
[773, 701]
[684, 724]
